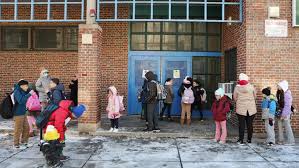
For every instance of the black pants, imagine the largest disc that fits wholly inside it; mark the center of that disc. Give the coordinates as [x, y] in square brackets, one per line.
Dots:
[152, 116]
[144, 111]
[198, 107]
[114, 123]
[52, 151]
[249, 123]
[168, 107]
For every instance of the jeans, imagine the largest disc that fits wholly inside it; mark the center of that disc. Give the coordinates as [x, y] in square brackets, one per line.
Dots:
[249, 121]
[286, 124]
[168, 107]
[221, 132]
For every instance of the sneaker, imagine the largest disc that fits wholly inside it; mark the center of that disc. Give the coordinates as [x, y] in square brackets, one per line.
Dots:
[115, 130]
[111, 130]
[57, 165]
[249, 141]
[215, 140]
[64, 158]
[156, 130]
[147, 130]
[16, 147]
[270, 144]
[222, 142]
[240, 142]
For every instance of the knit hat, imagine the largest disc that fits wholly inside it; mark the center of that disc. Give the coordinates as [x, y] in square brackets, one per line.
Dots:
[51, 133]
[284, 85]
[78, 110]
[266, 91]
[243, 77]
[23, 82]
[219, 92]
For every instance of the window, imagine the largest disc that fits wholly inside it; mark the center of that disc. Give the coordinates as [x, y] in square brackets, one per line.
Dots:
[172, 36]
[40, 38]
[230, 62]
[48, 38]
[15, 38]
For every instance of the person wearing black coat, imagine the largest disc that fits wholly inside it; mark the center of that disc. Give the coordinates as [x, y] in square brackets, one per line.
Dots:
[198, 93]
[74, 90]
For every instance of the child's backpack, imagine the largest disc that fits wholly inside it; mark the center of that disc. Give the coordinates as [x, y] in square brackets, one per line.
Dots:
[6, 109]
[161, 91]
[188, 97]
[121, 103]
[33, 103]
[231, 107]
[43, 118]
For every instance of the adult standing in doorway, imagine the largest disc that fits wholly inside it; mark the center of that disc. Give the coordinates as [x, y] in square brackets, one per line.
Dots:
[42, 86]
[151, 102]
[285, 101]
[245, 97]
[74, 90]
[200, 98]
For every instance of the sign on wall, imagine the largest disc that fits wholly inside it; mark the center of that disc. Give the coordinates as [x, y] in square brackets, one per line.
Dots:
[295, 13]
[276, 28]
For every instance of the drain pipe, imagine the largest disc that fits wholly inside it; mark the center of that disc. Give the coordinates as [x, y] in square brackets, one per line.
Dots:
[91, 12]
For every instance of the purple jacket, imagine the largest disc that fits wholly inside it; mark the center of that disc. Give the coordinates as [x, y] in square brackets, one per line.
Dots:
[288, 100]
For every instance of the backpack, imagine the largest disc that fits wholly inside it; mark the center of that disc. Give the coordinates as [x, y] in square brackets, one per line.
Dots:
[43, 118]
[6, 109]
[33, 103]
[231, 107]
[161, 91]
[188, 96]
[121, 103]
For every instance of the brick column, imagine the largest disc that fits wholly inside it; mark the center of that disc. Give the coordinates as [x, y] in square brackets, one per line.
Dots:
[89, 50]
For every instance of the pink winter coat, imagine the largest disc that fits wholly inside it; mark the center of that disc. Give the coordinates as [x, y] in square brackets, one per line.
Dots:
[113, 108]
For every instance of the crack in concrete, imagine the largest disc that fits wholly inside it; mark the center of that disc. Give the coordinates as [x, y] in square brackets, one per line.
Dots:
[176, 144]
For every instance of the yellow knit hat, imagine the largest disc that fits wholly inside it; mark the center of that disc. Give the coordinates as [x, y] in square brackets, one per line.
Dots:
[51, 133]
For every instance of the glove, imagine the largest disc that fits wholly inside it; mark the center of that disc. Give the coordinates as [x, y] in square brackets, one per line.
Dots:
[270, 121]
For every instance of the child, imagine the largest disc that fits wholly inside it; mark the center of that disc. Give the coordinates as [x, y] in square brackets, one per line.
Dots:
[59, 118]
[56, 93]
[169, 99]
[200, 97]
[51, 147]
[187, 95]
[21, 96]
[113, 108]
[268, 114]
[220, 108]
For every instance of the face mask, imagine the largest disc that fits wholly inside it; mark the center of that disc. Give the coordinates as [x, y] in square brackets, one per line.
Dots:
[45, 74]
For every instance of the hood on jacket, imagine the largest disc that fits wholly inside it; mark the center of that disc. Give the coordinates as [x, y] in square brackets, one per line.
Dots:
[284, 85]
[244, 88]
[59, 87]
[150, 76]
[66, 104]
[113, 90]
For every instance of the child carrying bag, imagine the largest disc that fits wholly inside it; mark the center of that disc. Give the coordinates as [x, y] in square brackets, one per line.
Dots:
[33, 103]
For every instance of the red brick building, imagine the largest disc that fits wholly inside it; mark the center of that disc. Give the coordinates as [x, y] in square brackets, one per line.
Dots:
[212, 40]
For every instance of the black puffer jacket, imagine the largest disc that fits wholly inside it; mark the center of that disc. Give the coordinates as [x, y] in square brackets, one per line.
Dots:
[151, 94]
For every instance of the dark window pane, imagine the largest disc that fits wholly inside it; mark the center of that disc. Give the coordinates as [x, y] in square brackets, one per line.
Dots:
[160, 11]
[71, 39]
[14, 38]
[214, 12]
[169, 27]
[153, 27]
[214, 43]
[199, 43]
[48, 38]
[214, 28]
[138, 42]
[184, 27]
[169, 42]
[138, 27]
[143, 11]
[153, 42]
[200, 28]
[196, 12]
[184, 42]
[178, 11]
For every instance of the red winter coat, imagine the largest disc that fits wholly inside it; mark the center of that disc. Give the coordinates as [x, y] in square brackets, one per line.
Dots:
[220, 109]
[58, 117]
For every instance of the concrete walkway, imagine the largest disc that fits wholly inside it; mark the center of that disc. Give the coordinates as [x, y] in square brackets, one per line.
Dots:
[122, 152]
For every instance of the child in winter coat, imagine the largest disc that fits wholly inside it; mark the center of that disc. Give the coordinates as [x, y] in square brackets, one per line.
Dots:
[188, 97]
[56, 93]
[169, 99]
[113, 108]
[21, 96]
[59, 120]
[220, 108]
[268, 114]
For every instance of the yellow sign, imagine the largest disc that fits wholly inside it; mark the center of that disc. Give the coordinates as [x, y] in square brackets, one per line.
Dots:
[176, 74]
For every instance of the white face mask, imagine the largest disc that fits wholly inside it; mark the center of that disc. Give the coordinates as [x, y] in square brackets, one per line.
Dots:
[45, 74]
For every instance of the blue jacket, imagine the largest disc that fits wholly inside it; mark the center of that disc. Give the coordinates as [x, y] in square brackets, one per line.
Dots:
[269, 103]
[56, 94]
[21, 98]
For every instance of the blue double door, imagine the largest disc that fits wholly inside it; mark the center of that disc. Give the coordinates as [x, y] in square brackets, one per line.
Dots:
[164, 67]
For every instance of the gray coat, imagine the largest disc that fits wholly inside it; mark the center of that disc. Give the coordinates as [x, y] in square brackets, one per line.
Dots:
[42, 85]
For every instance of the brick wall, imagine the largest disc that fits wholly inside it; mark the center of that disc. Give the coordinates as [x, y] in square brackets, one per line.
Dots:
[266, 60]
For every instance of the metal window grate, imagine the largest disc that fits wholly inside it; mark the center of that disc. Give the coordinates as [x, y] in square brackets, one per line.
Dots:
[108, 10]
[42, 10]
